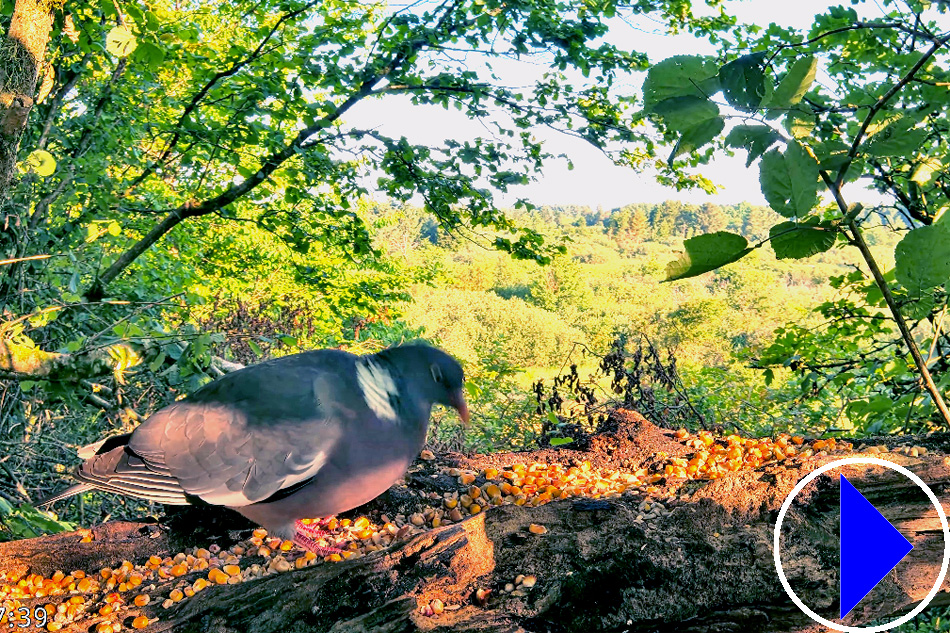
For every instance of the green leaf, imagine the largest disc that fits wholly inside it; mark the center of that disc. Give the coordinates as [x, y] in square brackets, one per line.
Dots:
[255, 347]
[40, 162]
[743, 82]
[922, 257]
[695, 118]
[898, 138]
[879, 404]
[790, 181]
[831, 154]
[707, 252]
[798, 241]
[793, 87]
[288, 340]
[120, 41]
[684, 113]
[561, 441]
[755, 139]
[680, 76]
[799, 123]
[919, 307]
[151, 54]
[472, 389]
[157, 362]
[697, 137]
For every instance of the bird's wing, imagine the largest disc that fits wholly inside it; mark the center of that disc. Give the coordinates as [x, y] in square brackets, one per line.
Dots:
[114, 468]
[246, 436]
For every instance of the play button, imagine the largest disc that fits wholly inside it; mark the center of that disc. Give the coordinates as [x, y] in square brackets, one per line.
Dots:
[870, 546]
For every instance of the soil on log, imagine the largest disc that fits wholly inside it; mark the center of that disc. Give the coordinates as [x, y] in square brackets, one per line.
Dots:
[700, 560]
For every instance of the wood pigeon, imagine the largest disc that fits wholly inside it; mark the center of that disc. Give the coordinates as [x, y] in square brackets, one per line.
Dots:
[303, 436]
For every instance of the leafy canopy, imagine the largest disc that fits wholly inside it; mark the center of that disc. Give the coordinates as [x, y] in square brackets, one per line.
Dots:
[880, 115]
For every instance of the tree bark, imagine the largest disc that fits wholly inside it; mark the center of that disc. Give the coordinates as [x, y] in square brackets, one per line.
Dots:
[700, 561]
[21, 59]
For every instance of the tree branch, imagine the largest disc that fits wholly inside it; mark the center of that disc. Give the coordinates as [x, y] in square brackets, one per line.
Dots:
[885, 289]
[853, 152]
[58, 100]
[196, 99]
[268, 167]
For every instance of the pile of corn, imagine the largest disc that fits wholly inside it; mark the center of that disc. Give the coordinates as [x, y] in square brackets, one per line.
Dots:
[714, 457]
[115, 599]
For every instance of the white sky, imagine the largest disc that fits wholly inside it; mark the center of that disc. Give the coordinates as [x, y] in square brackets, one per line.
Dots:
[595, 180]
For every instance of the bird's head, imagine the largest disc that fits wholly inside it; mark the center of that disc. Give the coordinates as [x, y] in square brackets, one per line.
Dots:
[439, 376]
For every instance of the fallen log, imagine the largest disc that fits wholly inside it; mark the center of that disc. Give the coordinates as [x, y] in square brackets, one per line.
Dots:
[699, 560]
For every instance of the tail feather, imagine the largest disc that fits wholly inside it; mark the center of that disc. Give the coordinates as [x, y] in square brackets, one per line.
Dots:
[65, 494]
[111, 466]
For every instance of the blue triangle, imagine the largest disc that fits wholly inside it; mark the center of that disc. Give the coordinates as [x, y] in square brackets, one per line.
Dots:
[870, 547]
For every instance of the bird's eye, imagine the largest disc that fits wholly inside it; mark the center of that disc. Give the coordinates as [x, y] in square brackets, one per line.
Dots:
[436, 373]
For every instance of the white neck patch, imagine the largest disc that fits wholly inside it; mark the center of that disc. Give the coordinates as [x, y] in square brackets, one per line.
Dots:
[378, 389]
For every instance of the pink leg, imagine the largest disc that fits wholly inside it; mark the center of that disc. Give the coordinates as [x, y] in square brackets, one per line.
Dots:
[313, 530]
[305, 536]
[309, 544]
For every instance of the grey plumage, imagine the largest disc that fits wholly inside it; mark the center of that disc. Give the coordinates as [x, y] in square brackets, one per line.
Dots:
[308, 435]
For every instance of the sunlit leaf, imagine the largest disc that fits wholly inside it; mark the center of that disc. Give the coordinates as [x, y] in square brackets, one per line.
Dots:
[40, 162]
[924, 171]
[120, 41]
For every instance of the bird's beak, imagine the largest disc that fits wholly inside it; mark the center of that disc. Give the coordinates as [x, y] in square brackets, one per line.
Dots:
[458, 402]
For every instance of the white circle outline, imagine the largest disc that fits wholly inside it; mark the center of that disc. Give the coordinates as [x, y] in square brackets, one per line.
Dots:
[811, 477]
